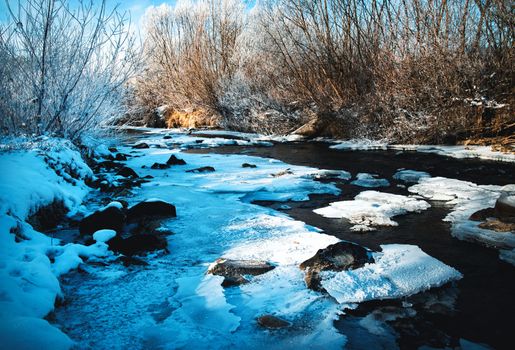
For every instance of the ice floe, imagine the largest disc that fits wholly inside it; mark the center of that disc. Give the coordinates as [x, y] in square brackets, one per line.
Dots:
[410, 176]
[372, 208]
[399, 270]
[370, 180]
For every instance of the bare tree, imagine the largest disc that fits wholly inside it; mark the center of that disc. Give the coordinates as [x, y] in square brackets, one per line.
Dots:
[66, 66]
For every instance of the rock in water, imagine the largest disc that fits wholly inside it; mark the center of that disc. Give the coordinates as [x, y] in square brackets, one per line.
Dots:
[234, 270]
[159, 166]
[248, 165]
[120, 157]
[110, 218]
[336, 257]
[272, 322]
[483, 214]
[505, 207]
[173, 160]
[141, 145]
[203, 169]
[137, 244]
[127, 172]
[151, 209]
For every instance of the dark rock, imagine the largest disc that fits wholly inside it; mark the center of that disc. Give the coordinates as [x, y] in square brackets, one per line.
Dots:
[120, 157]
[155, 209]
[113, 149]
[127, 172]
[199, 141]
[159, 166]
[272, 322]
[234, 271]
[336, 257]
[141, 145]
[108, 165]
[203, 169]
[108, 156]
[505, 208]
[137, 244]
[49, 216]
[110, 218]
[483, 214]
[167, 137]
[173, 160]
[148, 177]
[247, 165]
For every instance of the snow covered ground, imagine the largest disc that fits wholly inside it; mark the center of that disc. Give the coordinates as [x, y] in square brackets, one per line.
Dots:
[31, 262]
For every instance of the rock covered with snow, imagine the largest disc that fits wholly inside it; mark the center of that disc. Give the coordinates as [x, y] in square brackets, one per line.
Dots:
[372, 208]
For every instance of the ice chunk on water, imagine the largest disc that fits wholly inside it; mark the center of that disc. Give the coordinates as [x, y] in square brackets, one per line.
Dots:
[372, 208]
[369, 180]
[399, 270]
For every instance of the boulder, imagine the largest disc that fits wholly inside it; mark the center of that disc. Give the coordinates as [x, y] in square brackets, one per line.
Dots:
[173, 160]
[272, 322]
[127, 172]
[159, 166]
[141, 145]
[336, 257]
[167, 137]
[113, 149]
[108, 165]
[247, 165]
[120, 157]
[282, 173]
[505, 207]
[483, 214]
[204, 169]
[234, 271]
[151, 209]
[109, 218]
[137, 244]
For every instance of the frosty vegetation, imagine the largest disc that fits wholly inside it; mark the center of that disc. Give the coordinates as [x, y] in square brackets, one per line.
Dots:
[64, 67]
[406, 71]
[409, 71]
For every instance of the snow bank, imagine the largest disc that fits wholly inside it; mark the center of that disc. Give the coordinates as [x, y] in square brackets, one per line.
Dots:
[29, 286]
[33, 178]
[457, 151]
[372, 208]
[467, 198]
[369, 180]
[399, 270]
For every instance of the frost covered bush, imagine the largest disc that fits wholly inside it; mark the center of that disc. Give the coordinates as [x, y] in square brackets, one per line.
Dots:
[432, 71]
[64, 67]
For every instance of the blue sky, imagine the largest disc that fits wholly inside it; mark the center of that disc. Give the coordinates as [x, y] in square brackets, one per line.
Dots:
[136, 7]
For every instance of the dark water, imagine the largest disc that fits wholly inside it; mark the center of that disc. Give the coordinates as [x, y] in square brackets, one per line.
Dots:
[479, 308]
